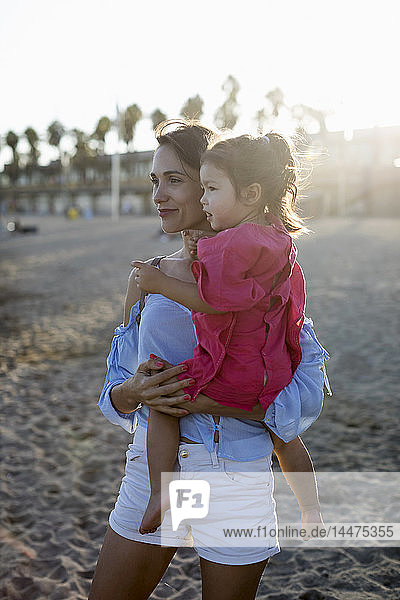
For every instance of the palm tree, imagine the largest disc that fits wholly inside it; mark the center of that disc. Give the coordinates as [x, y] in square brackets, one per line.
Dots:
[320, 117]
[102, 128]
[55, 133]
[302, 112]
[226, 115]
[193, 108]
[276, 98]
[12, 141]
[261, 119]
[157, 117]
[83, 152]
[33, 140]
[130, 119]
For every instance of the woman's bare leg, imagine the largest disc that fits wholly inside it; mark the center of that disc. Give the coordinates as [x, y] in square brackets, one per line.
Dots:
[162, 448]
[230, 582]
[128, 569]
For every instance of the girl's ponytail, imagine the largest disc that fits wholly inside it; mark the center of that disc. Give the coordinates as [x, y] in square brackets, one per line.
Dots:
[283, 195]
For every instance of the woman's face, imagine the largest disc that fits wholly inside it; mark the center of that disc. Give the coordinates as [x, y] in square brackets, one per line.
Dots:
[176, 193]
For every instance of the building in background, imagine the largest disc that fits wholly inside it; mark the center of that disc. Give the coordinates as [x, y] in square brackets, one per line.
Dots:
[360, 174]
[54, 188]
[353, 174]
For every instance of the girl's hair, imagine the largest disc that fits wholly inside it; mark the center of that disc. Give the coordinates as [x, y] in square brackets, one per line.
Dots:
[266, 160]
[189, 140]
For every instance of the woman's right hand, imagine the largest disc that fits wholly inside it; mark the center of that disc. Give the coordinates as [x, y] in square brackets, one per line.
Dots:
[151, 386]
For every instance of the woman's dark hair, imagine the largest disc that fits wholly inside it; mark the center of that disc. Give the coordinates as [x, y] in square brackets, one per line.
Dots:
[189, 140]
[268, 161]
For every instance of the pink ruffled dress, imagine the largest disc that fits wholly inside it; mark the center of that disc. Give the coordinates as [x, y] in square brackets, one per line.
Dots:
[250, 352]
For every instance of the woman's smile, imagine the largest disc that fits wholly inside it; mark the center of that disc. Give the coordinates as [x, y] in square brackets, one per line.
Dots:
[164, 212]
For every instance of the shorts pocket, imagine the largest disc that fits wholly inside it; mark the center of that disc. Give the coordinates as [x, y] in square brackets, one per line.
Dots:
[254, 474]
[190, 467]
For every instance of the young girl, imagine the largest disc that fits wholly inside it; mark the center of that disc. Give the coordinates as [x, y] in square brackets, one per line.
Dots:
[248, 302]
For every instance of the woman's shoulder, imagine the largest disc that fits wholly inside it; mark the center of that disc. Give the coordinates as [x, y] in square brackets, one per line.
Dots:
[133, 292]
[158, 302]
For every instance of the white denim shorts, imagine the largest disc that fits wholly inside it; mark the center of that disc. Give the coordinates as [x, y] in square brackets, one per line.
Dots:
[241, 498]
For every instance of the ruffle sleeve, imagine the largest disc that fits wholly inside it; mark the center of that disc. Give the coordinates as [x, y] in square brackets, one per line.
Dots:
[299, 404]
[122, 363]
[223, 273]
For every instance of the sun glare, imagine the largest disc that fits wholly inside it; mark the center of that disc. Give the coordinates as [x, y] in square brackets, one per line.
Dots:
[332, 57]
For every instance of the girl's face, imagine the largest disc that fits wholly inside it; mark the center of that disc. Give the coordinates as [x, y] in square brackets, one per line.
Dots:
[176, 193]
[220, 202]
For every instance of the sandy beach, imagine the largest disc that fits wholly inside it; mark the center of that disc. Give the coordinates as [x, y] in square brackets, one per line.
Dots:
[61, 296]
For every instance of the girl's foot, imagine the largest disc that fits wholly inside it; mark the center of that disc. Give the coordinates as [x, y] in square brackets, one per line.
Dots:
[311, 521]
[153, 515]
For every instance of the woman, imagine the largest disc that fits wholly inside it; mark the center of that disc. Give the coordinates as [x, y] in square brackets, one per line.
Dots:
[130, 564]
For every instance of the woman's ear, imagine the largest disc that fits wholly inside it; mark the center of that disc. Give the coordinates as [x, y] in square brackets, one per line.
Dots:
[251, 194]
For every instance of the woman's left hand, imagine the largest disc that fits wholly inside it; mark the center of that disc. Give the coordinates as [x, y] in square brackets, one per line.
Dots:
[206, 406]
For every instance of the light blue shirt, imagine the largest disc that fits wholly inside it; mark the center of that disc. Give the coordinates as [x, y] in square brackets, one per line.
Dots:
[166, 329]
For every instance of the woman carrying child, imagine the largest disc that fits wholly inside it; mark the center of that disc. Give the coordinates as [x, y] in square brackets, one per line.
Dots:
[131, 564]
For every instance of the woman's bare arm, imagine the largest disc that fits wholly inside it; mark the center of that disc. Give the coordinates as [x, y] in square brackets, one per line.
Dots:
[131, 297]
[133, 292]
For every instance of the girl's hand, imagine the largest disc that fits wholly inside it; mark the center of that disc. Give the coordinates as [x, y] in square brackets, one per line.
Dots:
[193, 236]
[147, 278]
[152, 385]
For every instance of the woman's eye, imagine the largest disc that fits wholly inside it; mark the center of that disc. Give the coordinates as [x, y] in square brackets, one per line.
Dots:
[153, 181]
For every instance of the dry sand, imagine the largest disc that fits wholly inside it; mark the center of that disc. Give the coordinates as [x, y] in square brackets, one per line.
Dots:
[60, 298]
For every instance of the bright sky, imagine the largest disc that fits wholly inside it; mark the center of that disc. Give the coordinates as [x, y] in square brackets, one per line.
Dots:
[72, 60]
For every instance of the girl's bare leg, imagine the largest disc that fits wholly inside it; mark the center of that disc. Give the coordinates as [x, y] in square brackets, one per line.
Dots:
[162, 448]
[128, 569]
[230, 582]
[298, 469]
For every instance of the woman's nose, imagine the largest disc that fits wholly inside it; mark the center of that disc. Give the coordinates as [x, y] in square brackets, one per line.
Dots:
[159, 193]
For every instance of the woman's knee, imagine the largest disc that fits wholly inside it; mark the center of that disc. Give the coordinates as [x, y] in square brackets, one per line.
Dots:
[231, 582]
[127, 567]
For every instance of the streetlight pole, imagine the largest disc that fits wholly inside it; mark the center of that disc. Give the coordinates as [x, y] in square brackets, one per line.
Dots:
[115, 171]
